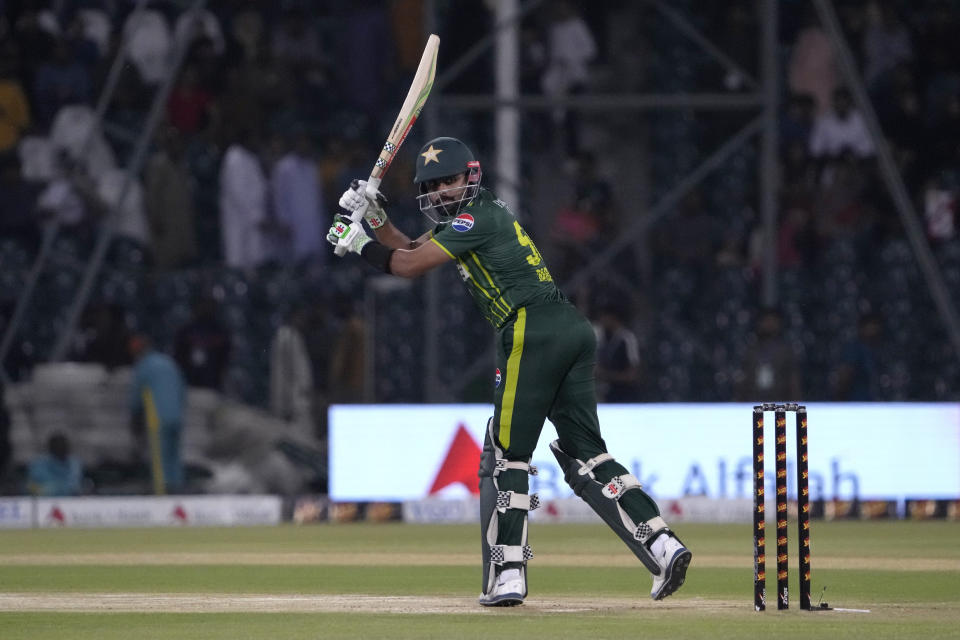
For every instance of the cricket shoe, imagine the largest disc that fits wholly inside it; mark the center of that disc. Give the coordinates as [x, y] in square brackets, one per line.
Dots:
[509, 590]
[673, 558]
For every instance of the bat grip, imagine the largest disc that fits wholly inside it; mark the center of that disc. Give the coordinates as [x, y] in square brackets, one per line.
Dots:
[373, 188]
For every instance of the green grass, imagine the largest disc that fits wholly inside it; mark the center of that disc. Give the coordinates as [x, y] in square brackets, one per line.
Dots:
[716, 601]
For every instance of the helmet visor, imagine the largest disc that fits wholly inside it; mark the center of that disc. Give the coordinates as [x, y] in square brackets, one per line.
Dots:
[442, 199]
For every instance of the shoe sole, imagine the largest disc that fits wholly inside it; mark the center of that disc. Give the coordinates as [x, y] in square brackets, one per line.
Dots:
[678, 573]
[504, 600]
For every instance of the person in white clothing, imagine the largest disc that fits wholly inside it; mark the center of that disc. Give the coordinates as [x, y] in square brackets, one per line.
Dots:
[243, 205]
[841, 129]
[570, 47]
[298, 203]
[291, 375]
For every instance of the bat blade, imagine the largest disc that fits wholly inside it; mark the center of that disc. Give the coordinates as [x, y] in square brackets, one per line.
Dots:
[416, 97]
[409, 112]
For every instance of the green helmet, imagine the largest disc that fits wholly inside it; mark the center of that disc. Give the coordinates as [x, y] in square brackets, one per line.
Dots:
[443, 158]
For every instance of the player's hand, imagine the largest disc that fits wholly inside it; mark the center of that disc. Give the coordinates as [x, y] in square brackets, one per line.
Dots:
[358, 202]
[346, 236]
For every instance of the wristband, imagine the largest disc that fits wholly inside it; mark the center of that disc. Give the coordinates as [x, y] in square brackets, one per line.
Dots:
[377, 255]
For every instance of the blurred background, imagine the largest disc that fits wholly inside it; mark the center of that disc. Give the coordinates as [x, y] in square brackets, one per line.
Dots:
[752, 199]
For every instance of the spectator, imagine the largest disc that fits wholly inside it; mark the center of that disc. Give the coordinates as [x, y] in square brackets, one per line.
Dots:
[190, 102]
[243, 204]
[841, 129]
[75, 131]
[346, 375]
[797, 123]
[202, 346]
[570, 48]
[60, 82]
[856, 376]
[158, 400]
[96, 27]
[840, 207]
[298, 203]
[129, 216]
[18, 211]
[295, 41]
[169, 203]
[38, 158]
[769, 371]
[797, 241]
[247, 31]
[812, 68]
[364, 44]
[34, 42]
[148, 44]
[886, 44]
[618, 356]
[61, 201]
[690, 241]
[103, 337]
[56, 473]
[14, 109]
[206, 27]
[291, 374]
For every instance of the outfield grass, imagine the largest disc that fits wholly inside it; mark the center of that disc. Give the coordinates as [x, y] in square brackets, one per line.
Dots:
[369, 581]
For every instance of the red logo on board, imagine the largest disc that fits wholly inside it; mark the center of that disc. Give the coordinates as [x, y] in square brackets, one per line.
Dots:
[460, 464]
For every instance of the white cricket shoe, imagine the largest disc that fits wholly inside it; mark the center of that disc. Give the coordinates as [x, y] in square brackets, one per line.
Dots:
[508, 591]
[673, 558]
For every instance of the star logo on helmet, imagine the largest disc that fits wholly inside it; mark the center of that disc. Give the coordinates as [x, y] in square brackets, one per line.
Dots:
[430, 155]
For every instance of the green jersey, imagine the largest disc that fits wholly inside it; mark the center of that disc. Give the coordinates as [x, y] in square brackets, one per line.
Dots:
[497, 260]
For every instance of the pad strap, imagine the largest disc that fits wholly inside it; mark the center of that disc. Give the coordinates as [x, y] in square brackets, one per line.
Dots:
[501, 553]
[512, 500]
[646, 530]
[503, 465]
[619, 485]
[592, 463]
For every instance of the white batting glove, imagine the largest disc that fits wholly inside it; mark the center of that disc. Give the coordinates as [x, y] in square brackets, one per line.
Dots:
[356, 201]
[347, 237]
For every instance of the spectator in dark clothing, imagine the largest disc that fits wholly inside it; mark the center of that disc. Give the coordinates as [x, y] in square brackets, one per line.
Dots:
[18, 199]
[797, 123]
[189, 103]
[856, 376]
[618, 356]
[770, 372]
[103, 337]
[61, 81]
[202, 347]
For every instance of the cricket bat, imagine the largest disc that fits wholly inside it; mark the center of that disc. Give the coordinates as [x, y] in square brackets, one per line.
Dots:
[409, 112]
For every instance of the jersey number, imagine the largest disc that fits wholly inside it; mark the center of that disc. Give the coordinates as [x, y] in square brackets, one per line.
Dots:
[534, 258]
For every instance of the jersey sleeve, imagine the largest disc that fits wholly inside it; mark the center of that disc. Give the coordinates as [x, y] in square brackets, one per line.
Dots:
[468, 231]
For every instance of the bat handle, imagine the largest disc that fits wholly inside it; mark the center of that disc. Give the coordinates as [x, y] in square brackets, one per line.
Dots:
[373, 188]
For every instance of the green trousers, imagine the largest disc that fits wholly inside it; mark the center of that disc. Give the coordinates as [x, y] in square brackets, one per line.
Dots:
[547, 357]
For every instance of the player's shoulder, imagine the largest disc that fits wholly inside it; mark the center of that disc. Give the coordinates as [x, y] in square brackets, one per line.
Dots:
[488, 210]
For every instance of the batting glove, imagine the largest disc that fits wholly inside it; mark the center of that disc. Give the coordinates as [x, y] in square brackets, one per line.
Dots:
[347, 237]
[358, 202]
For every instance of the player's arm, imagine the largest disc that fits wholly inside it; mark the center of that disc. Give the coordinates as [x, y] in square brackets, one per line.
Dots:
[355, 199]
[406, 263]
[392, 237]
[412, 263]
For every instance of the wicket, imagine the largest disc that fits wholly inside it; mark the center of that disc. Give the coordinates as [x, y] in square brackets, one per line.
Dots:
[759, 512]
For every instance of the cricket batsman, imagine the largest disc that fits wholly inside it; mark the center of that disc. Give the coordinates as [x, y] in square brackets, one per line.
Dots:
[545, 368]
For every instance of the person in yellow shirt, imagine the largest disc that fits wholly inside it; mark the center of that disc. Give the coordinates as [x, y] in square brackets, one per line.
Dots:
[14, 109]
